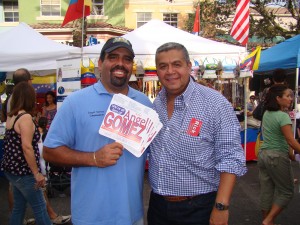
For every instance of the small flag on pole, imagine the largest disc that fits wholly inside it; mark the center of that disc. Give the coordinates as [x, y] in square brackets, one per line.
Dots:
[251, 61]
[77, 9]
[240, 25]
[196, 28]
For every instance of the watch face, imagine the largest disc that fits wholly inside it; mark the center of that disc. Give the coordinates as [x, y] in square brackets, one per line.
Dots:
[221, 206]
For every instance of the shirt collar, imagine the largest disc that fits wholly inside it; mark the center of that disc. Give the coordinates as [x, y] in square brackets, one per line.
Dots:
[100, 89]
[184, 98]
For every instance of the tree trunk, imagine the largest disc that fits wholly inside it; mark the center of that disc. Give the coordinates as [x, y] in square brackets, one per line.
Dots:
[77, 33]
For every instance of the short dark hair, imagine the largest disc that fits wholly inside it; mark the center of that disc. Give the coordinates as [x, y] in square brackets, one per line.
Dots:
[20, 75]
[23, 98]
[114, 43]
[42, 122]
[170, 46]
[279, 76]
[275, 91]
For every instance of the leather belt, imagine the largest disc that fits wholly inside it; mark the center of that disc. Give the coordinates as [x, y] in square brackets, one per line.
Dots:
[177, 198]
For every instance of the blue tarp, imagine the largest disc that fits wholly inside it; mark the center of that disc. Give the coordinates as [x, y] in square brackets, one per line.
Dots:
[285, 55]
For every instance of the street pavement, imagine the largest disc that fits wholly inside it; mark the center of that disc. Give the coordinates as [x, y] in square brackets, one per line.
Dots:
[244, 207]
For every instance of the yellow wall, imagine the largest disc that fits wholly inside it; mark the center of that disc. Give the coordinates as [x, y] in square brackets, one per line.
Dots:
[157, 8]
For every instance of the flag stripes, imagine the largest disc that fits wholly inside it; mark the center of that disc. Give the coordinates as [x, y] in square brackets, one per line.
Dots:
[252, 60]
[77, 9]
[240, 25]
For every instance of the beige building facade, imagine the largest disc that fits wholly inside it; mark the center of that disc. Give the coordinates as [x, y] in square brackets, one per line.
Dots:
[175, 13]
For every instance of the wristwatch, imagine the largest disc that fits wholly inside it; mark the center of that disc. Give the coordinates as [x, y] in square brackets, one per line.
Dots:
[220, 206]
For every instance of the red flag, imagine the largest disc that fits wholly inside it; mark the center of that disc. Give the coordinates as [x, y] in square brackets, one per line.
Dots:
[196, 28]
[75, 10]
[240, 25]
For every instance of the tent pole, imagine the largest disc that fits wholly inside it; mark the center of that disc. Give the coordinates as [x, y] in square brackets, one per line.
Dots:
[296, 101]
[245, 115]
[199, 25]
[245, 112]
[82, 29]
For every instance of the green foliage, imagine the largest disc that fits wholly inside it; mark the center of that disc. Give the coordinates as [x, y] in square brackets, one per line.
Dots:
[264, 22]
[213, 17]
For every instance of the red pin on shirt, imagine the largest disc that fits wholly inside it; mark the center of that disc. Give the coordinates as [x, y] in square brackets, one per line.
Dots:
[194, 127]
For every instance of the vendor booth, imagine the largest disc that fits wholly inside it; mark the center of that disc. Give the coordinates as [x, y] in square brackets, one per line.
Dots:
[285, 55]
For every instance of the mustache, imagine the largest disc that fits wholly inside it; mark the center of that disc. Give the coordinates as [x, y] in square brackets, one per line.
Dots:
[119, 68]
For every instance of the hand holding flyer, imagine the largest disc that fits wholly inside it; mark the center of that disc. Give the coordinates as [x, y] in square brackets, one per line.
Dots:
[130, 123]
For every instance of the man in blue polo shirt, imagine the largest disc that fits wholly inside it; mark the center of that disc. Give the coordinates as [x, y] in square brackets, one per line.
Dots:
[107, 180]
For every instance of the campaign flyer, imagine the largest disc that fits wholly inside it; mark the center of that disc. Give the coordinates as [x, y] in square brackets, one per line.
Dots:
[130, 123]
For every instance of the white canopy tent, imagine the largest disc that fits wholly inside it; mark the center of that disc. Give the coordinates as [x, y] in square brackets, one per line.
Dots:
[147, 38]
[22, 46]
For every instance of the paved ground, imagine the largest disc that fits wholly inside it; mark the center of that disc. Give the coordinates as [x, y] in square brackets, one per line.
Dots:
[244, 205]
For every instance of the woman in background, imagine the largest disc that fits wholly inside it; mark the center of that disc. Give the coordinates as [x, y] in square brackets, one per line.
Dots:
[275, 172]
[50, 109]
[21, 157]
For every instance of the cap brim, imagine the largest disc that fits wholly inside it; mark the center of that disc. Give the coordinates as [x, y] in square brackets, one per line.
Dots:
[119, 46]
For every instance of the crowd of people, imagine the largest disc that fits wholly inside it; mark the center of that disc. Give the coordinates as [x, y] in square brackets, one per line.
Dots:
[194, 160]
[22, 160]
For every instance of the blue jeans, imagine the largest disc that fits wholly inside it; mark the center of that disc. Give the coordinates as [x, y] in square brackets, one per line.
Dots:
[195, 211]
[24, 191]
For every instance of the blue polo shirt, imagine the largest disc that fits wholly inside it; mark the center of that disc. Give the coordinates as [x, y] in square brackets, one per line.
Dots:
[102, 196]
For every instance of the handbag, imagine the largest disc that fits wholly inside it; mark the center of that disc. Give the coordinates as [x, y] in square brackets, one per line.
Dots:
[252, 122]
[258, 143]
[259, 111]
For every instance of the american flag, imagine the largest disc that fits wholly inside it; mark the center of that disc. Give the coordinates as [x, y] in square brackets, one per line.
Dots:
[240, 25]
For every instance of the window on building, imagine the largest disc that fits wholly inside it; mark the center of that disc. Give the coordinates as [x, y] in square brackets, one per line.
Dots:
[170, 18]
[50, 7]
[11, 10]
[98, 7]
[143, 18]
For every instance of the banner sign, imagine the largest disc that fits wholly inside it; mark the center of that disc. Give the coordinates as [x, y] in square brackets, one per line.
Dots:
[68, 77]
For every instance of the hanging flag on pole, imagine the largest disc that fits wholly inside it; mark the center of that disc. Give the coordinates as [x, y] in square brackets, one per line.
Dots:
[76, 10]
[251, 61]
[240, 25]
[196, 28]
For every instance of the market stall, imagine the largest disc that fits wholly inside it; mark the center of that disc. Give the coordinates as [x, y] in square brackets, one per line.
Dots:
[285, 55]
